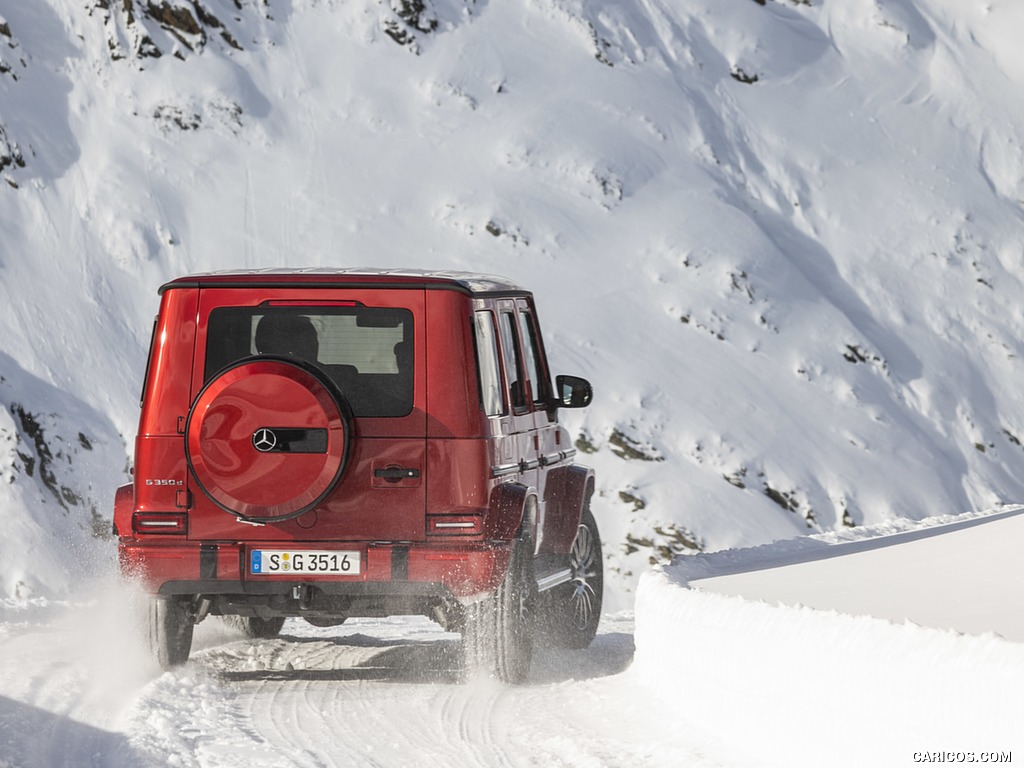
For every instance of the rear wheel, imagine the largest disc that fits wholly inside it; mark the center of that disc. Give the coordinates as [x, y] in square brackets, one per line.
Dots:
[170, 630]
[571, 611]
[498, 633]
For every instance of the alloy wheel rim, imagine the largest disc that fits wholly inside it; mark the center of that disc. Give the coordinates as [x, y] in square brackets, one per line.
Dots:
[582, 560]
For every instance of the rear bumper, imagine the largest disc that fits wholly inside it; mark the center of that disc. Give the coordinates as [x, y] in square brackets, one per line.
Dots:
[424, 571]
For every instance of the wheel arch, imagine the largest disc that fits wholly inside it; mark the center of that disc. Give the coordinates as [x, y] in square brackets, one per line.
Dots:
[512, 510]
[568, 490]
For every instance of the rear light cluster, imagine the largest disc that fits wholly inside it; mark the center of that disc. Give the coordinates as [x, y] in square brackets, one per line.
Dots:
[160, 523]
[455, 525]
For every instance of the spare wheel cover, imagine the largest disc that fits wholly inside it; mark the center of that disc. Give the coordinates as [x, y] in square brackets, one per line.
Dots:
[267, 438]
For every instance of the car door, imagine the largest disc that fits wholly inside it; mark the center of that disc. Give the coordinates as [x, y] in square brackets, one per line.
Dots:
[550, 441]
[521, 445]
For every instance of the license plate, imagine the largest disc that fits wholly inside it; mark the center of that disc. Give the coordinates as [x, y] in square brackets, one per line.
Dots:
[305, 562]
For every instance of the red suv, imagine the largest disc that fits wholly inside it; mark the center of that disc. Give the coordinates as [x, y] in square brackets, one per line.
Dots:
[336, 443]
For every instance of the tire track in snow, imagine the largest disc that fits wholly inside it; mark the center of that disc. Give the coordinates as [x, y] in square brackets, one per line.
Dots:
[389, 692]
[474, 711]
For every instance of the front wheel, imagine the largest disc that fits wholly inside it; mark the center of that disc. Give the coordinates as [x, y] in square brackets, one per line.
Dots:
[571, 611]
[170, 630]
[497, 636]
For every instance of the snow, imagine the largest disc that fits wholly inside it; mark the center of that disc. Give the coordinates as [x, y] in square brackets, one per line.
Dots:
[720, 675]
[956, 574]
[796, 296]
[796, 686]
[862, 652]
[372, 692]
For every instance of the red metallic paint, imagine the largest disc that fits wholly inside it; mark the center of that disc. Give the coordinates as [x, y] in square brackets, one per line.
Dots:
[220, 444]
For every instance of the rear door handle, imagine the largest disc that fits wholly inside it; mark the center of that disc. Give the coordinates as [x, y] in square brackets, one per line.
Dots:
[396, 473]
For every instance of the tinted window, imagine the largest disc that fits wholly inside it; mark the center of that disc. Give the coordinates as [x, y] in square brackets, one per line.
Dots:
[531, 352]
[149, 361]
[513, 357]
[366, 351]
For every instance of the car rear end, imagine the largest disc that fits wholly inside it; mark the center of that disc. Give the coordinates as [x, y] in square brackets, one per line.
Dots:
[326, 477]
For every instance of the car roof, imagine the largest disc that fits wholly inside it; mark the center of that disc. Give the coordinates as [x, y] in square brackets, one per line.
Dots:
[472, 283]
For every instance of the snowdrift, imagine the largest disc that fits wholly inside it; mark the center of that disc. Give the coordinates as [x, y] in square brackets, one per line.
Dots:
[790, 685]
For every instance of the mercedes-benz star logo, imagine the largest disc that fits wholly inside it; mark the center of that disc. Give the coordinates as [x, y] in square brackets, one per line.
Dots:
[264, 440]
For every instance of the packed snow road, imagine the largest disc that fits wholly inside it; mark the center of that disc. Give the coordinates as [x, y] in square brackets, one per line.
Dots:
[741, 679]
[76, 691]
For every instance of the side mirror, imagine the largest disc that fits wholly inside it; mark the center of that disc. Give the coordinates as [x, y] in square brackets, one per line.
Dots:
[573, 392]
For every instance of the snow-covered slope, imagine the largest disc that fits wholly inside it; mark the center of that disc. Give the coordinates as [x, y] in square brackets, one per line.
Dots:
[783, 239]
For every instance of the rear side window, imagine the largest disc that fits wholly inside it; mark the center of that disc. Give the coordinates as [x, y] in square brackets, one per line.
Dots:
[534, 366]
[492, 396]
[367, 352]
[149, 361]
[513, 361]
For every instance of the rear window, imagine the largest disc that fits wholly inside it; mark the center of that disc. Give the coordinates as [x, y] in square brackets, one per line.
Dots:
[366, 351]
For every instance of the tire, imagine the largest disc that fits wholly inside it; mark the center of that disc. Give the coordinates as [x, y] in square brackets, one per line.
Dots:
[497, 635]
[170, 630]
[572, 611]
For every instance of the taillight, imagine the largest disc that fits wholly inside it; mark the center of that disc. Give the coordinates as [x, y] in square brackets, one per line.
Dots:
[160, 522]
